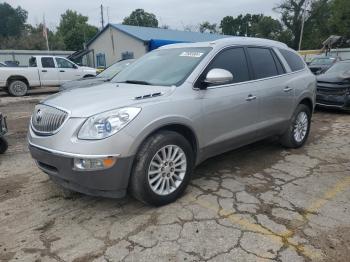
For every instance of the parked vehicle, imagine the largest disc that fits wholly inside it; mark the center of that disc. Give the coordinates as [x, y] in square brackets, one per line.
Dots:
[333, 87]
[42, 71]
[319, 65]
[3, 131]
[2, 64]
[105, 76]
[170, 110]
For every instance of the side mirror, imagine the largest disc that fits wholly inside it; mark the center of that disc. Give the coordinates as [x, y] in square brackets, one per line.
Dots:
[218, 76]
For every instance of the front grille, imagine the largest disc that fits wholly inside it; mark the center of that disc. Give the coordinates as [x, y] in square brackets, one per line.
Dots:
[47, 120]
[329, 88]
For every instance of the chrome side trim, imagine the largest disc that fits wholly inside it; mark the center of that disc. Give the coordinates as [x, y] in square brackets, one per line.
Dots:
[74, 155]
[330, 106]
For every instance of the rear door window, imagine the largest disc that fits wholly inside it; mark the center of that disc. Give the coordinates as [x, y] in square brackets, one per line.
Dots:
[294, 61]
[263, 63]
[233, 60]
[47, 62]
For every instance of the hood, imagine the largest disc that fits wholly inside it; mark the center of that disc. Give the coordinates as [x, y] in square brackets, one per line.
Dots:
[84, 82]
[85, 102]
[333, 77]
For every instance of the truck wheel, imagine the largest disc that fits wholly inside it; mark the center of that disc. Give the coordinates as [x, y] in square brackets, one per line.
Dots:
[3, 145]
[162, 169]
[18, 88]
[299, 128]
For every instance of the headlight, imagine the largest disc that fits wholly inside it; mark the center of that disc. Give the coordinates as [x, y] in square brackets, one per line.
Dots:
[108, 123]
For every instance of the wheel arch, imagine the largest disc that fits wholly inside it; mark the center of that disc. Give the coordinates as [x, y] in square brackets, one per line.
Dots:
[88, 75]
[17, 77]
[183, 129]
[308, 102]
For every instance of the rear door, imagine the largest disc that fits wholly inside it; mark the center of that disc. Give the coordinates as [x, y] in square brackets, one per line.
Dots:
[276, 97]
[67, 70]
[231, 111]
[48, 72]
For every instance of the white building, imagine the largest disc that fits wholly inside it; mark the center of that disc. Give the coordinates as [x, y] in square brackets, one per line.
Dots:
[116, 42]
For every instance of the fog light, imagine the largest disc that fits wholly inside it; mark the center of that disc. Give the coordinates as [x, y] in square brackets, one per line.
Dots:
[91, 164]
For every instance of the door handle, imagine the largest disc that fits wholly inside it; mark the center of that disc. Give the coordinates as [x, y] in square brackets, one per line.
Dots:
[44, 71]
[62, 71]
[287, 89]
[251, 98]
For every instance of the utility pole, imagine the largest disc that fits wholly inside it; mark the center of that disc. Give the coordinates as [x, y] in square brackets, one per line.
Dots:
[102, 20]
[303, 23]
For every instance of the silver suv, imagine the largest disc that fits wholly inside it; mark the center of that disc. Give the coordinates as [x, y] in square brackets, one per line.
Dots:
[173, 108]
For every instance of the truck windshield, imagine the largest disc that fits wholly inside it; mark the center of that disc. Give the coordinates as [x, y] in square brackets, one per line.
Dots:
[164, 67]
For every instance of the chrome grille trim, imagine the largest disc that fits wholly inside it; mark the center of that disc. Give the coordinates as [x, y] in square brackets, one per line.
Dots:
[47, 120]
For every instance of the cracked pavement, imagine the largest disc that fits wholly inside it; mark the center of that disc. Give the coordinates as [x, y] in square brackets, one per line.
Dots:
[258, 203]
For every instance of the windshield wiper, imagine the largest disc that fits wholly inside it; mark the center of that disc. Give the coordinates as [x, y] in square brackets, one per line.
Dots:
[137, 82]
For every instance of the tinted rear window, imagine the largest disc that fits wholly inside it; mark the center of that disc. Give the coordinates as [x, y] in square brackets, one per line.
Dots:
[262, 62]
[294, 61]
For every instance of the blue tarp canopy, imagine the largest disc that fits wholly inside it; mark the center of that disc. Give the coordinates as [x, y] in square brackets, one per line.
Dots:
[155, 43]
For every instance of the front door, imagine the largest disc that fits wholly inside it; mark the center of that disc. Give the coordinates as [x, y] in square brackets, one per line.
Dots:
[67, 70]
[231, 111]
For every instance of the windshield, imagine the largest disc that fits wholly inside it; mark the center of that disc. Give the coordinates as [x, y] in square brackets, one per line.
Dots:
[322, 61]
[339, 67]
[164, 67]
[114, 69]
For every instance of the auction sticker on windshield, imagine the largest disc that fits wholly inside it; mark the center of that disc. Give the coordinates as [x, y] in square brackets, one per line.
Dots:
[191, 54]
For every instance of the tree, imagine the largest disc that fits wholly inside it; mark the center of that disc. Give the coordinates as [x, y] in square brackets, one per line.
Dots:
[141, 18]
[291, 15]
[340, 17]
[12, 20]
[267, 27]
[317, 26]
[74, 30]
[207, 27]
[256, 25]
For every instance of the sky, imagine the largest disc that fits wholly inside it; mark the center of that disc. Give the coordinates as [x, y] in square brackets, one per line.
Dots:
[175, 13]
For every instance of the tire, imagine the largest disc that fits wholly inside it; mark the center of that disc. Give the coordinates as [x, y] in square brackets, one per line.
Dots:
[176, 180]
[3, 145]
[18, 88]
[290, 138]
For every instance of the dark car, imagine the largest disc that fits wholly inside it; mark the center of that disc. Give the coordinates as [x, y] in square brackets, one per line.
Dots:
[2, 64]
[320, 65]
[333, 87]
[104, 76]
[3, 131]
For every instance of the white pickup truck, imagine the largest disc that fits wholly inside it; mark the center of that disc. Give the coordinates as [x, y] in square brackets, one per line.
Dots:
[42, 71]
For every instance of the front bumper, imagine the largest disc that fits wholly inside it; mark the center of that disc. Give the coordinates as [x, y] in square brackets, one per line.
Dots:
[112, 182]
[334, 101]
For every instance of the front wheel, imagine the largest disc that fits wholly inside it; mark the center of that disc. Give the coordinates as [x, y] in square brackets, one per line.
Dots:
[162, 168]
[299, 128]
[3, 145]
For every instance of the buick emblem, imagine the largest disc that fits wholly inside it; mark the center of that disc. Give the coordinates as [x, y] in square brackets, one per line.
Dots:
[39, 116]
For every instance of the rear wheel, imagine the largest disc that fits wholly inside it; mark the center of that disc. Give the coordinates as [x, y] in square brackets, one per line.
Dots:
[17, 88]
[162, 168]
[299, 128]
[3, 145]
